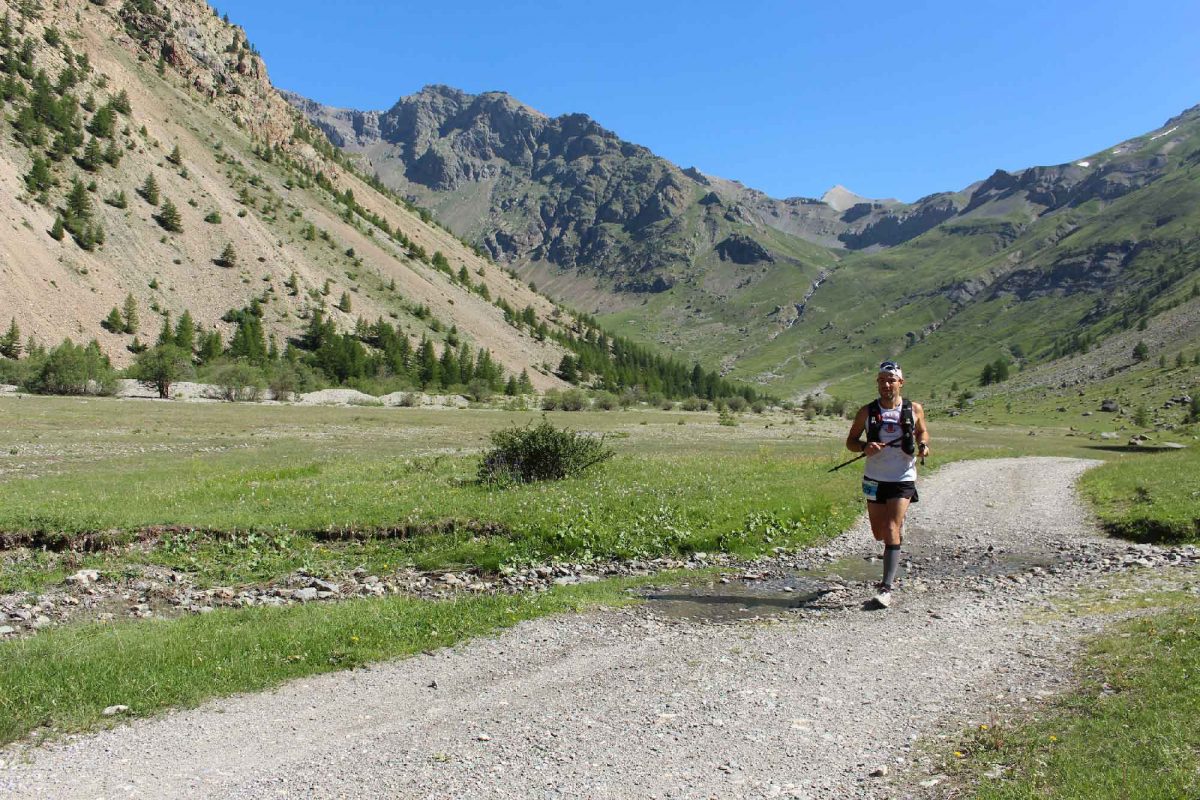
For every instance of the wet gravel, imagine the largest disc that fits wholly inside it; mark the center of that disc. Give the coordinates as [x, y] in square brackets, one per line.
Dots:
[815, 700]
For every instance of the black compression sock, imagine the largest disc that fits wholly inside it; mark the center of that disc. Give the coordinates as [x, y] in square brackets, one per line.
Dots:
[891, 562]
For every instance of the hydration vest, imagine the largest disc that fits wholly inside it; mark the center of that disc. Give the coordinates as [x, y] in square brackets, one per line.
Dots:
[908, 442]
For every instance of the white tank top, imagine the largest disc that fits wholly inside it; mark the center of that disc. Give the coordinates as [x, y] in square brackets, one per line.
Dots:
[891, 463]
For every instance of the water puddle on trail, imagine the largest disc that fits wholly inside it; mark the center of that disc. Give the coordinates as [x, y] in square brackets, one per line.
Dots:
[736, 601]
[841, 583]
[938, 562]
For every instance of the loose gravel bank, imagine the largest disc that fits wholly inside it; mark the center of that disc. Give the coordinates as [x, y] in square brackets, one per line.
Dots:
[624, 704]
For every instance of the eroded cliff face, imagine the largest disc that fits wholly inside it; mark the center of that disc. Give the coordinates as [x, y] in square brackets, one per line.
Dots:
[213, 56]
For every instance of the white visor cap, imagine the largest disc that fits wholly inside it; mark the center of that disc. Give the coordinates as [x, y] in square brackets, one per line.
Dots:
[891, 368]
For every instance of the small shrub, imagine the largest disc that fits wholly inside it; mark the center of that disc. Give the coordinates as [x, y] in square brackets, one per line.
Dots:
[605, 401]
[238, 381]
[540, 453]
[737, 404]
[574, 400]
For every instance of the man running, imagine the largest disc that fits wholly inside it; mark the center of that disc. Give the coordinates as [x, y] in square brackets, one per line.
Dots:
[896, 434]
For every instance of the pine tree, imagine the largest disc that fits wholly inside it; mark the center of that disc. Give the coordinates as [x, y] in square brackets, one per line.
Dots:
[103, 122]
[248, 341]
[130, 313]
[57, 230]
[113, 321]
[185, 332]
[175, 157]
[120, 103]
[568, 372]
[448, 367]
[344, 303]
[149, 190]
[39, 178]
[427, 365]
[165, 334]
[228, 257]
[169, 217]
[112, 154]
[210, 348]
[79, 207]
[93, 155]
[10, 342]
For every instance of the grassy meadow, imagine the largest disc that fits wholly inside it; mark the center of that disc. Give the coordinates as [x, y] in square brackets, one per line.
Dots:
[1126, 730]
[244, 494]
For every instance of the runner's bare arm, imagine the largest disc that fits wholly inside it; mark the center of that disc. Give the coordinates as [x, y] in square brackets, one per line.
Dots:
[921, 432]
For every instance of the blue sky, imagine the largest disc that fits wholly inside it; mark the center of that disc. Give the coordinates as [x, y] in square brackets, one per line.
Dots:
[787, 96]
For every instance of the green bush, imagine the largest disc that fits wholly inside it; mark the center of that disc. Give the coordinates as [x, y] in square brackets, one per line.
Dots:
[161, 366]
[605, 401]
[737, 404]
[73, 369]
[540, 453]
[238, 381]
[574, 400]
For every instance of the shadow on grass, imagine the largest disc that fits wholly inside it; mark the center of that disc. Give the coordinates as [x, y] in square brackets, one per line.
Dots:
[1131, 448]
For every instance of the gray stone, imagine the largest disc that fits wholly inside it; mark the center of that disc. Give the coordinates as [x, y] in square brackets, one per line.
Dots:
[113, 711]
[85, 577]
[305, 595]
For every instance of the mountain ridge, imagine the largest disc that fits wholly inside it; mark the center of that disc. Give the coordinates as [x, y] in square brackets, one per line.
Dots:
[722, 272]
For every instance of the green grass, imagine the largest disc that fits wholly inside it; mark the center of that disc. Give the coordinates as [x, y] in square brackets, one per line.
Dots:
[1151, 497]
[249, 494]
[255, 493]
[62, 679]
[1128, 730]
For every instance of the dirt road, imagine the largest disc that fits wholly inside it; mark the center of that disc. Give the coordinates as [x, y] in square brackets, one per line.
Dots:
[626, 704]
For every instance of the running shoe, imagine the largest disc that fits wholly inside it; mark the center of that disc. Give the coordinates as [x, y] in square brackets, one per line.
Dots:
[883, 598]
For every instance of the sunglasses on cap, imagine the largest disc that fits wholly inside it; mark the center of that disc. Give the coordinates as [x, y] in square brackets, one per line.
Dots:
[892, 368]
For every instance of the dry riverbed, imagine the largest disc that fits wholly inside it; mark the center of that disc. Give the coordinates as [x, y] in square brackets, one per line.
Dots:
[813, 696]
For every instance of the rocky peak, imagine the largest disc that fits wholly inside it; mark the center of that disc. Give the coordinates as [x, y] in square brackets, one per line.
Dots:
[839, 198]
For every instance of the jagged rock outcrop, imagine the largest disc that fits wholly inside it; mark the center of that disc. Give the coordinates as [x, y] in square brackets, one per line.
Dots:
[741, 249]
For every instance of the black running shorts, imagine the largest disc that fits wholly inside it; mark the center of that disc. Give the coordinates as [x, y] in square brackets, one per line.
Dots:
[891, 490]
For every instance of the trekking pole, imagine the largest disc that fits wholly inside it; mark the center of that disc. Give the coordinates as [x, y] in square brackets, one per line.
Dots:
[892, 443]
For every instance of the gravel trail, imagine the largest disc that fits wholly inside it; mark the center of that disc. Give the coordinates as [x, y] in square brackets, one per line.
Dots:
[626, 704]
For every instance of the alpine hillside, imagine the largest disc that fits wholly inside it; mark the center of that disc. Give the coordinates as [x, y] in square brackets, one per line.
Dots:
[798, 294]
[154, 183]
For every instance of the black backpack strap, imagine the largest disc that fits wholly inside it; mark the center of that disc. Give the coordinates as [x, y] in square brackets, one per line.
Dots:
[908, 427]
[874, 421]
